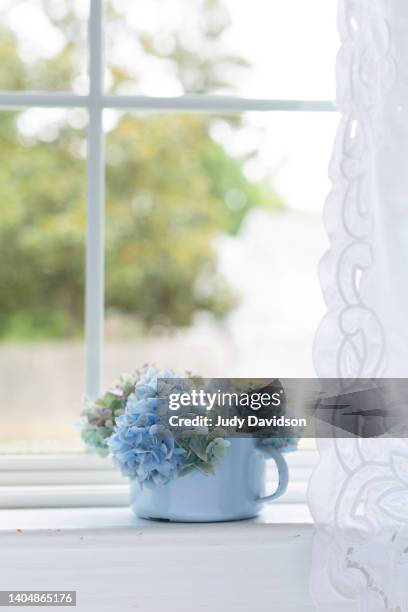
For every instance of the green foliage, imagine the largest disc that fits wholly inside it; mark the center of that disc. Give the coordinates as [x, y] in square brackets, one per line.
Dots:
[42, 225]
[98, 418]
[171, 189]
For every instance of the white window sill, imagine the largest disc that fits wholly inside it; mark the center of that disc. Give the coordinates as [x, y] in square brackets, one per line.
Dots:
[65, 519]
[117, 562]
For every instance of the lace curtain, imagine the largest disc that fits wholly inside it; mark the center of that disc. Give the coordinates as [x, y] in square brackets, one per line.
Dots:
[358, 494]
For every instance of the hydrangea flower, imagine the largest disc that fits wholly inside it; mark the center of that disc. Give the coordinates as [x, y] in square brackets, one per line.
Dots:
[141, 447]
[146, 451]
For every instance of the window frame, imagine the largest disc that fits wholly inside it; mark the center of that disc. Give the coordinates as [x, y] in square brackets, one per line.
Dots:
[86, 480]
[95, 102]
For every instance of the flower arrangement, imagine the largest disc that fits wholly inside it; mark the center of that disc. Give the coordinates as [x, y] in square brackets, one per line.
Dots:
[125, 423]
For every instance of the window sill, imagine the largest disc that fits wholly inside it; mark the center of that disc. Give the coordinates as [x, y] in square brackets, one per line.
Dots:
[65, 519]
[115, 561]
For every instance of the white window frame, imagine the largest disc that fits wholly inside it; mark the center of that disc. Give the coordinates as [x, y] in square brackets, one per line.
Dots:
[40, 480]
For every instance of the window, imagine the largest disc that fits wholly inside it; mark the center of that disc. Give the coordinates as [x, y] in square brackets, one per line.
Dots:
[206, 127]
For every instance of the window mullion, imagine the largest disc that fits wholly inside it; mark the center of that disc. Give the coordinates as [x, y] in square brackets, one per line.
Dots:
[203, 103]
[48, 99]
[94, 294]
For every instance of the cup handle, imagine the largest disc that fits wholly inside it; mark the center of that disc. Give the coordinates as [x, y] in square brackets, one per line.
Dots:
[283, 472]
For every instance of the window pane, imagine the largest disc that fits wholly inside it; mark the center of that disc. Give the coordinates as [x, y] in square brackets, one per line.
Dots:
[42, 229]
[214, 234]
[273, 49]
[43, 45]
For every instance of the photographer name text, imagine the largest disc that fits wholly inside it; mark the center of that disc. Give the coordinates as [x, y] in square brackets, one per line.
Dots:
[235, 421]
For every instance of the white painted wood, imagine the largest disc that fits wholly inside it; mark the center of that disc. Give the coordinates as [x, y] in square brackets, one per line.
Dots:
[68, 496]
[206, 103]
[78, 461]
[87, 481]
[54, 462]
[63, 477]
[49, 99]
[95, 244]
[90, 495]
[98, 476]
[91, 518]
[30, 99]
[228, 567]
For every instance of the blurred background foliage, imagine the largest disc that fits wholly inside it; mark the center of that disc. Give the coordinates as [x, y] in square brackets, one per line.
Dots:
[171, 190]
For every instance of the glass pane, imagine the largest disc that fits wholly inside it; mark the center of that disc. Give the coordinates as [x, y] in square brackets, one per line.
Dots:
[43, 45]
[214, 234]
[276, 49]
[42, 233]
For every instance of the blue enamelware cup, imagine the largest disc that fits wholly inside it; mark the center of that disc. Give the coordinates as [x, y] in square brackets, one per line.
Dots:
[235, 491]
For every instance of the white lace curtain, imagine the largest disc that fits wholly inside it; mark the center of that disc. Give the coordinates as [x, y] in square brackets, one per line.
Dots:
[359, 493]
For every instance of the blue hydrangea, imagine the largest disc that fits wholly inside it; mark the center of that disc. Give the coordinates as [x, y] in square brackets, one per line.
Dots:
[142, 448]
